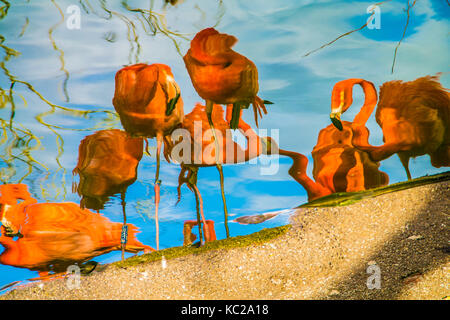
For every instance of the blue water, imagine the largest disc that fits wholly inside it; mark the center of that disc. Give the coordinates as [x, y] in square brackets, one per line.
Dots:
[274, 35]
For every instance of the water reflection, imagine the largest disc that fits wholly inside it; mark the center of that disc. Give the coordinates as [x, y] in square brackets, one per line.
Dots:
[339, 166]
[107, 165]
[149, 103]
[205, 148]
[223, 76]
[19, 142]
[343, 160]
[415, 119]
[207, 227]
[48, 237]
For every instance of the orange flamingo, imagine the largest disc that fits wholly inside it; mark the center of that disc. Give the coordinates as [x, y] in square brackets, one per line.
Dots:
[56, 235]
[10, 194]
[149, 104]
[223, 76]
[203, 150]
[107, 165]
[337, 168]
[414, 117]
[338, 165]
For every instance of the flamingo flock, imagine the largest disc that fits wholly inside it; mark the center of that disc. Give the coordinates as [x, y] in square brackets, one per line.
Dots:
[414, 117]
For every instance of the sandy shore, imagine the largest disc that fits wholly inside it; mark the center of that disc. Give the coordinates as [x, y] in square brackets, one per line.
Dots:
[324, 255]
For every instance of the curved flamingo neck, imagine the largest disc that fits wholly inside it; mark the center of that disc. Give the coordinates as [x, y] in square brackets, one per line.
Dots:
[298, 172]
[370, 102]
[342, 98]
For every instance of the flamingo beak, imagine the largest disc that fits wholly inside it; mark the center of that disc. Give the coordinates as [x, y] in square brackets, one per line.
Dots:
[335, 118]
[268, 147]
[335, 115]
[173, 102]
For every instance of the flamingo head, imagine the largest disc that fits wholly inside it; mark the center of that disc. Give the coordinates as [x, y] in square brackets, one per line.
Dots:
[335, 115]
[269, 146]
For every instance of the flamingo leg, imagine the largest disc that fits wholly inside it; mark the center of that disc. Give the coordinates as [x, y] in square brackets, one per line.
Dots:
[209, 109]
[405, 162]
[236, 114]
[191, 180]
[199, 223]
[198, 198]
[222, 190]
[124, 234]
[159, 140]
[146, 147]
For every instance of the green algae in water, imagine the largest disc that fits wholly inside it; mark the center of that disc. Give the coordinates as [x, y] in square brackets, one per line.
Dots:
[347, 198]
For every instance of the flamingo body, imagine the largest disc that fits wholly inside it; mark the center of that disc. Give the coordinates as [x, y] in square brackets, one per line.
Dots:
[203, 149]
[416, 116]
[221, 75]
[107, 165]
[415, 119]
[56, 235]
[340, 167]
[142, 96]
[148, 101]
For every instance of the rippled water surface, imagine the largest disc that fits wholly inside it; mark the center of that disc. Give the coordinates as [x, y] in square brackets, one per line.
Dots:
[60, 75]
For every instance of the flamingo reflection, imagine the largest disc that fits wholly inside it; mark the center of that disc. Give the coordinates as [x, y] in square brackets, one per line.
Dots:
[414, 117]
[202, 149]
[149, 104]
[338, 165]
[56, 235]
[208, 229]
[107, 165]
[223, 76]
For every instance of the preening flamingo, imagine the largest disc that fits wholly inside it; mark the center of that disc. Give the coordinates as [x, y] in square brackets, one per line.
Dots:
[223, 76]
[202, 148]
[148, 101]
[414, 117]
[107, 165]
[338, 165]
[56, 235]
